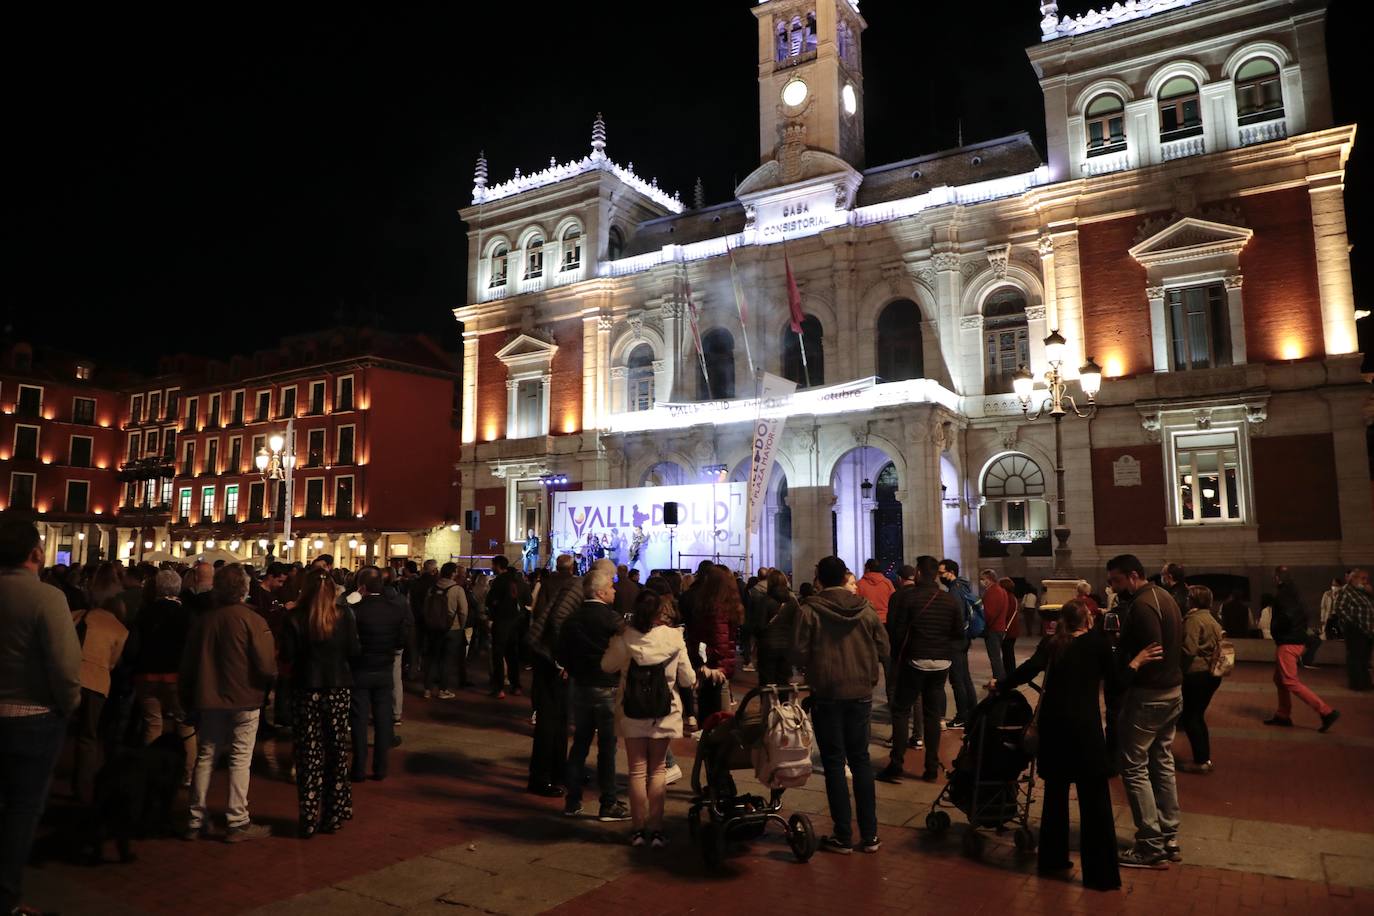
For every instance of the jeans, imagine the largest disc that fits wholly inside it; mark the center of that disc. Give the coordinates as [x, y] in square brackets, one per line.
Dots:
[398, 686]
[593, 713]
[993, 643]
[86, 757]
[505, 655]
[549, 754]
[372, 693]
[29, 746]
[158, 700]
[1287, 683]
[1146, 733]
[1357, 652]
[842, 736]
[1198, 688]
[443, 652]
[220, 727]
[962, 683]
[929, 687]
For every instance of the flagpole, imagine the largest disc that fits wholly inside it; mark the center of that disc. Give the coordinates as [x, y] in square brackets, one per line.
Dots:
[801, 341]
[696, 341]
[740, 307]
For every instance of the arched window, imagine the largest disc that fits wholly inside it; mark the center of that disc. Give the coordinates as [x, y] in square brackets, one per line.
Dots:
[900, 356]
[534, 257]
[1014, 509]
[615, 244]
[1106, 116]
[1259, 94]
[572, 248]
[719, 347]
[1006, 338]
[500, 261]
[814, 368]
[1180, 111]
[639, 379]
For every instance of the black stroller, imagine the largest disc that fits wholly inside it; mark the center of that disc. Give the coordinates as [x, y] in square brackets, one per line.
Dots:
[993, 778]
[726, 744]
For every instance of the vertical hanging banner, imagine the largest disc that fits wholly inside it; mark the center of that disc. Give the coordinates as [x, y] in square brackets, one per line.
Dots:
[764, 448]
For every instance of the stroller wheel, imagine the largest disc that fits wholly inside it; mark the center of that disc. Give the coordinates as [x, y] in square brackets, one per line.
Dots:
[712, 844]
[801, 836]
[937, 821]
[973, 844]
[1025, 840]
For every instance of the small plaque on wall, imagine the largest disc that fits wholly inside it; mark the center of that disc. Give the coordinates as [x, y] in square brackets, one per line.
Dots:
[491, 510]
[1126, 471]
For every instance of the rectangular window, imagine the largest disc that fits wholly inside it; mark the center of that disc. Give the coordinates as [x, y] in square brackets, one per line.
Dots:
[231, 503]
[343, 452]
[343, 394]
[236, 408]
[184, 504]
[173, 404]
[151, 443]
[165, 498]
[30, 401]
[1180, 117]
[25, 442]
[131, 494]
[212, 456]
[280, 500]
[79, 455]
[212, 417]
[343, 497]
[135, 447]
[21, 490]
[150, 493]
[288, 402]
[264, 408]
[188, 460]
[83, 411]
[259, 443]
[136, 409]
[207, 504]
[169, 444]
[316, 398]
[1007, 349]
[314, 498]
[155, 406]
[529, 408]
[192, 413]
[1199, 328]
[78, 496]
[1208, 483]
[314, 455]
[255, 501]
[534, 260]
[235, 464]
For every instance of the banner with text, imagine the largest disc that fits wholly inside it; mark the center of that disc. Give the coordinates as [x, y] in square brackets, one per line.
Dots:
[626, 526]
[767, 434]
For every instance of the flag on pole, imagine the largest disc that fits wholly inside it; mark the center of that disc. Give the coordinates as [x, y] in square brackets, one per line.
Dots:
[741, 306]
[793, 297]
[692, 321]
[764, 448]
[289, 459]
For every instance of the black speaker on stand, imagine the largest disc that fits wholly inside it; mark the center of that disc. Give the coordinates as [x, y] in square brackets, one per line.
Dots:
[670, 518]
[472, 519]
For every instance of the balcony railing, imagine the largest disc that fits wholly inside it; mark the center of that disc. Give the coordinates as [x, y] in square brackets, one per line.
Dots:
[1104, 163]
[1264, 131]
[1182, 148]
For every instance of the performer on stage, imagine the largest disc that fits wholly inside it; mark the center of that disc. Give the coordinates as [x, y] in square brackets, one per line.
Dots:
[531, 552]
[637, 546]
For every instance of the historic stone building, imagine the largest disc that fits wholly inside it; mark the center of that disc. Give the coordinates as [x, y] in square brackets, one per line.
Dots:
[1187, 233]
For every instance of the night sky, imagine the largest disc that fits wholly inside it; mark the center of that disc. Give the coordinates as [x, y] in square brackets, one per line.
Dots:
[200, 184]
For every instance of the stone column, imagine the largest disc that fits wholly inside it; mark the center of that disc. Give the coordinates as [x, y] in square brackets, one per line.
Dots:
[672, 334]
[603, 362]
[470, 349]
[1333, 263]
[811, 527]
[1236, 318]
[1159, 330]
[619, 400]
[922, 512]
[1220, 127]
[591, 396]
[512, 408]
[949, 291]
[1352, 476]
[546, 403]
[663, 380]
[1142, 133]
[973, 380]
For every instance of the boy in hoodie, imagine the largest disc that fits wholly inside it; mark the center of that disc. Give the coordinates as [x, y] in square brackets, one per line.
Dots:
[840, 644]
[876, 588]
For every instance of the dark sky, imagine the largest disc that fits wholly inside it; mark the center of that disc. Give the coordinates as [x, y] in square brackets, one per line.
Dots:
[207, 184]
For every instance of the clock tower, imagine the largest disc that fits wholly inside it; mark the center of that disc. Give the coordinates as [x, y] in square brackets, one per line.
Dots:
[811, 91]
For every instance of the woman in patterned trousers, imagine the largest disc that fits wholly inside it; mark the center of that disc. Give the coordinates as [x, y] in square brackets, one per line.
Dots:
[318, 641]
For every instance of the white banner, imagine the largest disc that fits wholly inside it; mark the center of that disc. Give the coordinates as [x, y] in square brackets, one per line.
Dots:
[767, 433]
[626, 526]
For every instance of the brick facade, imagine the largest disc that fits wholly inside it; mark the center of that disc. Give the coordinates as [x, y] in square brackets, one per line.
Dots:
[1310, 512]
[1283, 317]
[1116, 314]
[1131, 514]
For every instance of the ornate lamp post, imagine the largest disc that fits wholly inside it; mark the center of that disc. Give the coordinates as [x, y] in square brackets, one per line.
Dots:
[273, 463]
[1058, 402]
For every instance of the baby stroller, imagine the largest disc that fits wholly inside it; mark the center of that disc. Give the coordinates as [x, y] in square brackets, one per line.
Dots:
[993, 778]
[729, 742]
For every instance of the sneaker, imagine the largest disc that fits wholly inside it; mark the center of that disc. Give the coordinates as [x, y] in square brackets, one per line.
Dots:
[611, 813]
[191, 834]
[749, 667]
[428, 695]
[691, 724]
[1173, 853]
[1280, 721]
[245, 832]
[572, 810]
[915, 743]
[672, 774]
[955, 723]
[447, 695]
[1157, 861]
[659, 841]
[890, 773]
[871, 845]
[1329, 719]
[637, 839]
[1201, 769]
[836, 845]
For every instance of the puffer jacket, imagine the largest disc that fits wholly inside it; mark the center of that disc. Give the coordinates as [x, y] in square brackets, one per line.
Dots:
[661, 644]
[715, 629]
[839, 643]
[924, 622]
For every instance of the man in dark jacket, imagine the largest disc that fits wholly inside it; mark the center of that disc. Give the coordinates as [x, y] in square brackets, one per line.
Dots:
[626, 591]
[549, 689]
[931, 626]
[507, 600]
[840, 644]
[583, 641]
[382, 631]
[1288, 627]
[1149, 711]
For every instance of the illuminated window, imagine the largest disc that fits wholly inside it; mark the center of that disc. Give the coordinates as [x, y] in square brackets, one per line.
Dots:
[184, 504]
[572, 248]
[231, 502]
[1106, 119]
[639, 378]
[207, 504]
[1259, 94]
[1180, 109]
[83, 372]
[1207, 477]
[1199, 327]
[1014, 510]
[1006, 339]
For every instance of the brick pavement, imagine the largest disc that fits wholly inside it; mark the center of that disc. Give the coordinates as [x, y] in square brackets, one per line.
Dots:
[451, 831]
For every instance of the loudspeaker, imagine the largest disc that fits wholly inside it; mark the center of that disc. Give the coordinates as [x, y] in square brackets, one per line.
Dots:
[670, 513]
[472, 519]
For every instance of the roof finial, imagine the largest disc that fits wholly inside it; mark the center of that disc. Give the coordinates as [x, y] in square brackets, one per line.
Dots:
[479, 177]
[1049, 17]
[698, 195]
[599, 137]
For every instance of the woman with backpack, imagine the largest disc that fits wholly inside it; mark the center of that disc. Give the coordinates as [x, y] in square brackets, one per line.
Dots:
[1202, 638]
[651, 658]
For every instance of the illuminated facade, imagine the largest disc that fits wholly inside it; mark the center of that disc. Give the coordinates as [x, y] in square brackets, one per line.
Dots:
[1187, 232]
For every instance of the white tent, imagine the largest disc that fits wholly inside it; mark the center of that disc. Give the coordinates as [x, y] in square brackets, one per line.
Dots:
[217, 554]
[157, 556]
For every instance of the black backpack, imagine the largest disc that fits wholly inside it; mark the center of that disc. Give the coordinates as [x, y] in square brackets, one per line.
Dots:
[647, 695]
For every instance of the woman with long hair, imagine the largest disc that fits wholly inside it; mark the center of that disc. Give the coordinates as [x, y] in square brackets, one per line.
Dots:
[1076, 661]
[775, 641]
[318, 641]
[715, 621]
[650, 640]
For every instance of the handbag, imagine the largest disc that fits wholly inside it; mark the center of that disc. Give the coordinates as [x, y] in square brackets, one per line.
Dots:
[1030, 738]
[1223, 661]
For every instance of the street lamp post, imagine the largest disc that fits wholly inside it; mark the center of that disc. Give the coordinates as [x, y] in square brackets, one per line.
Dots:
[1058, 402]
[272, 461]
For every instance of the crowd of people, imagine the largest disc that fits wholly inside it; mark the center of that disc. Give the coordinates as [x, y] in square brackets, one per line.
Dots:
[220, 655]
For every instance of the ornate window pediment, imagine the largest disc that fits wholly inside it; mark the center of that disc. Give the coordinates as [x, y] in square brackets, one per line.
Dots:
[527, 353]
[1188, 238]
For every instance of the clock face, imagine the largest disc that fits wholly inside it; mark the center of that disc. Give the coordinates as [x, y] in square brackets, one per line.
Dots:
[850, 99]
[794, 93]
